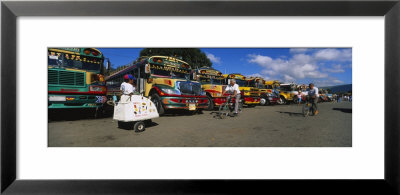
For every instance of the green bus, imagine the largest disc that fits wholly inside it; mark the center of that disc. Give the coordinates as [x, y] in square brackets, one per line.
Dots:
[75, 78]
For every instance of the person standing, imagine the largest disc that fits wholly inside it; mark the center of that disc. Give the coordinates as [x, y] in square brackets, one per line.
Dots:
[313, 94]
[299, 96]
[127, 87]
[233, 88]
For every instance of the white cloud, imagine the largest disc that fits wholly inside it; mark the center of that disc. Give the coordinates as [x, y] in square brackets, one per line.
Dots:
[258, 75]
[327, 82]
[334, 69]
[214, 58]
[298, 50]
[288, 78]
[333, 54]
[303, 66]
[337, 81]
[300, 66]
[260, 60]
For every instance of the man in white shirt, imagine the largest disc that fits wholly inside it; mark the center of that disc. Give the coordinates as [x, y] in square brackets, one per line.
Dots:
[233, 88]
[127, 87]
[313, 93]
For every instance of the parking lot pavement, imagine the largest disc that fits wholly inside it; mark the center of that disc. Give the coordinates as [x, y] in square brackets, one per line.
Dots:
[269, 126]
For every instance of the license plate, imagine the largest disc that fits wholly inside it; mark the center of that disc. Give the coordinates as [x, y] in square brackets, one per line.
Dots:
[57, 98]
[192, 106]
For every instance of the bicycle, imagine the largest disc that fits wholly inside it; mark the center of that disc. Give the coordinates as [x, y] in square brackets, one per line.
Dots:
[227, 108]
[308, 107]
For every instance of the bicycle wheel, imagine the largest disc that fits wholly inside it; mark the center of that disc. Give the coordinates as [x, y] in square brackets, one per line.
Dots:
[223, 110]
[313, 109]
[306, 109]
[240, 106]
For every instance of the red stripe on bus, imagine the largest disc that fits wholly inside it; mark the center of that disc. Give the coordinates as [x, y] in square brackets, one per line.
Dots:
[81, 93]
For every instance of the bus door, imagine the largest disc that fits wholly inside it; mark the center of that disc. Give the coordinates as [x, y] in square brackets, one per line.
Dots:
[141, 79]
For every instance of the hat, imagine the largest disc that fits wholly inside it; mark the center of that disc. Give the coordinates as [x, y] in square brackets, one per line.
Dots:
[129, 76]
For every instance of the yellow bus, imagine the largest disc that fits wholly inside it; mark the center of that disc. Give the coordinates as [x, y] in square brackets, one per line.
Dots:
[250, 95]
[287, 93]
[165, 80]
[212, 82]
[268, 95]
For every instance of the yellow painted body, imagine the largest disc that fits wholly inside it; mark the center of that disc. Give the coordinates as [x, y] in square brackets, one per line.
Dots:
[159, 81]
[251, 94]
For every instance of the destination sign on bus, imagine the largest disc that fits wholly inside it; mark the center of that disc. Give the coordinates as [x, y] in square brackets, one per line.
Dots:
[211, 76]
[169, 68]
[56, 55]
[169, 63]
[237, 77]
[211, 72]
[71, 49]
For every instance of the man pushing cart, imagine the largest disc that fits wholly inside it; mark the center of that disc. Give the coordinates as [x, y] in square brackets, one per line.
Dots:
[133, 109]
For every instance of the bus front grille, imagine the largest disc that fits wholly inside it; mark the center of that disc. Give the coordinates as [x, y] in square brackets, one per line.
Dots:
[62, 77]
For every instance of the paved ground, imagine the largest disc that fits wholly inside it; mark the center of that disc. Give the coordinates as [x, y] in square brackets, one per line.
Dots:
[277, 126]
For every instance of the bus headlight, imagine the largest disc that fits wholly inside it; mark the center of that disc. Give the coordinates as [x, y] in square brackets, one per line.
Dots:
[171, 91]
[96, 88]
[217, 94]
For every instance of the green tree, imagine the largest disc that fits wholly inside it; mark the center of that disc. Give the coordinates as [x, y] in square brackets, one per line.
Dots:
[194, 56]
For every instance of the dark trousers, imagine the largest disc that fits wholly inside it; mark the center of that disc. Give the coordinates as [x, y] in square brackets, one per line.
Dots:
[314, 102]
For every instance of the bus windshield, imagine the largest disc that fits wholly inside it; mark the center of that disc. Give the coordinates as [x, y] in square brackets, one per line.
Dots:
[61, 61]
[205, 80]
[241, 83]
[172, 74]
[251, 84]
[81, 65]
[54, 61]
[286, 88]
[261, 86]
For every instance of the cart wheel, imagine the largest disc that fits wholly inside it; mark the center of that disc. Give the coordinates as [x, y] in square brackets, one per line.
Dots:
[139, 126]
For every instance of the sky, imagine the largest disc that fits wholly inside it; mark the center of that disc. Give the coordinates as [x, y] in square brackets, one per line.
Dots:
[321, 66]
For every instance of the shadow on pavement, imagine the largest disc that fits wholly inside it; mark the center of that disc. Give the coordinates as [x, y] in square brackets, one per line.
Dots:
[345, 110]
[129, 125]
[74, 114]
[173, 113]
[291, 113]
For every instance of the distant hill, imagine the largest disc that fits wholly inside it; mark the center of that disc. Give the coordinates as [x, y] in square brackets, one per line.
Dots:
[340, 88]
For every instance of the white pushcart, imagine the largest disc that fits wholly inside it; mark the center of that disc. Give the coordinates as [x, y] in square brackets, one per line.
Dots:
[134, 110]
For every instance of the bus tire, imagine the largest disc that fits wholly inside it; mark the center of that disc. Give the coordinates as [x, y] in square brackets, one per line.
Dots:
[210, 103]
[155, 98]
[281, 100]
[263, 101]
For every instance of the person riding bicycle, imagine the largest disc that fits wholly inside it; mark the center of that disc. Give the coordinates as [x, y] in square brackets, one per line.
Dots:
[233, 89]
[313, 94]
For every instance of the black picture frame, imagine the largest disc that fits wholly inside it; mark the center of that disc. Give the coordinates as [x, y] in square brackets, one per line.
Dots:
[10, 10]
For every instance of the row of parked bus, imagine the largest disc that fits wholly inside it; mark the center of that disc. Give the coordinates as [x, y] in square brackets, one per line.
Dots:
[80, 78]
